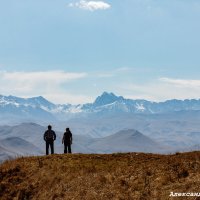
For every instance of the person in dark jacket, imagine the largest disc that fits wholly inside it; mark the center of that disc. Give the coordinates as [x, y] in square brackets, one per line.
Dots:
[49, 137]
[67, 140]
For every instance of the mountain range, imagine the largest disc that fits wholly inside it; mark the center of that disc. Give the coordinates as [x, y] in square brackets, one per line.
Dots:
[105, 116]
[173, 124]
[106, 103]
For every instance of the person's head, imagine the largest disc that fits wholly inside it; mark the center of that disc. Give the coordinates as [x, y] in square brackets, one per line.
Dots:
[49, 127]
[67, 129]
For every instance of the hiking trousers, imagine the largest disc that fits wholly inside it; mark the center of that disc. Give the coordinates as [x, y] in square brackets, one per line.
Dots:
[51, 144]
[67, 148]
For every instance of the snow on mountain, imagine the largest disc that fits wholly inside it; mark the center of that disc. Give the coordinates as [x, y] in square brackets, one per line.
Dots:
[35, 102]
[106, 98]
[108, 102]
[112, 103]
[140, 107]
[38, 108]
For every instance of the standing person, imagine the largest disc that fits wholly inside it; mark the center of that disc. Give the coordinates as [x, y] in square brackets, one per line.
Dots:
[67, 140]
[49, 137]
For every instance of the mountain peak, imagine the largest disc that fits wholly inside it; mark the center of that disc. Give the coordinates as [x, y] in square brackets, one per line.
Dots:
[106, 98]
[40, 99]
[107, 94]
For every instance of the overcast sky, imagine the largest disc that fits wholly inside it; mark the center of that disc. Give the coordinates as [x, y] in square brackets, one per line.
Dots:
[70, 51]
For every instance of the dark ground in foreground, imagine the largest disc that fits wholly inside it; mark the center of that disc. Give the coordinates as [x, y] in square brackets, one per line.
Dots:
[128, 176]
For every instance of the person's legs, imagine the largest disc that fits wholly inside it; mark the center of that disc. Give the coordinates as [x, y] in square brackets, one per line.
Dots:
[65, 148]
[52, 147]
[69, 148]
[47, 148]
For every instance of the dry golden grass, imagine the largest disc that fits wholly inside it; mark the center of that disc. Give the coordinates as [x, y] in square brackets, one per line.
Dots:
[132, 176]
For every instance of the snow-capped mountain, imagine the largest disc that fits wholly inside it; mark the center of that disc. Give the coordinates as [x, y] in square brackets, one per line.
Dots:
[109, 102]
[23, 109]
[107, 98]
[38, 108]
[33, 102]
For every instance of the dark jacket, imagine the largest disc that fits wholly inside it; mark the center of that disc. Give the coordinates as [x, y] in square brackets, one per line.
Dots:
[49, 135]
[67, 137]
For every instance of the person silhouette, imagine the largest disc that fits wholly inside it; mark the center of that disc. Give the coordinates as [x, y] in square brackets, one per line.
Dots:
[67, 140]
[49, 137]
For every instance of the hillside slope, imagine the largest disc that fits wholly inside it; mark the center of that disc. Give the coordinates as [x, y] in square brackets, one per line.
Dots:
[131, 176]
[12, 147]
[129, 140]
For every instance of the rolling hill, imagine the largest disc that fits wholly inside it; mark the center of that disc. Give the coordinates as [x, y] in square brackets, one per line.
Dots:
[126, 141]
[13, 147]
[133, 176]
[27, 139]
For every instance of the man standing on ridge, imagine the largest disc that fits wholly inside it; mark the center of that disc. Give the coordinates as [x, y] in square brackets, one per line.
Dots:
[67, 140]
[49, 137]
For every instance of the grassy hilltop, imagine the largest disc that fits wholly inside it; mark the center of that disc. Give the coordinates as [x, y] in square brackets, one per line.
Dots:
[128, 176]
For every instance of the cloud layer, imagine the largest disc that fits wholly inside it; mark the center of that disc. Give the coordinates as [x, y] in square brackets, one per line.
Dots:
[164, 89]
[65, 87]
[50, 84]
[91, 5]
[192, 84]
